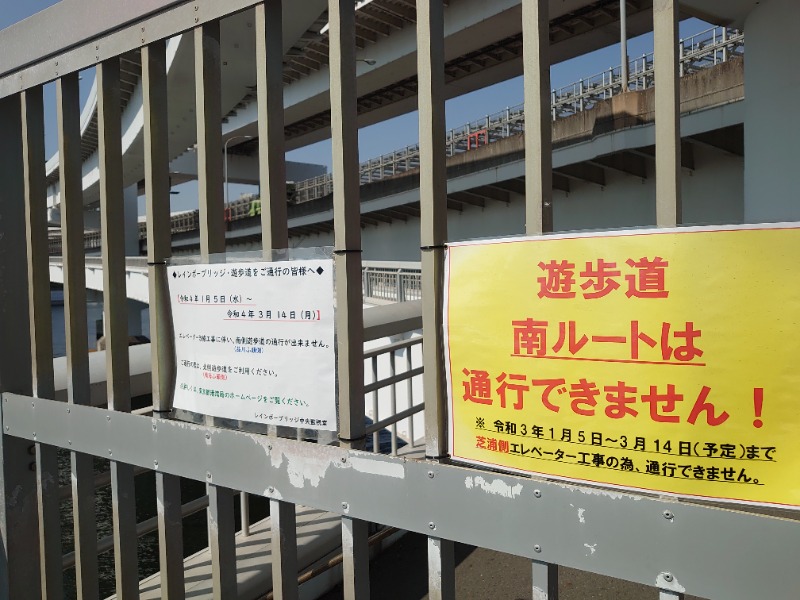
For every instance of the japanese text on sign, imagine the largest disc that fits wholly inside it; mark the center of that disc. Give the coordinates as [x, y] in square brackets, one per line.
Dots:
[255, 341]
[566, 358]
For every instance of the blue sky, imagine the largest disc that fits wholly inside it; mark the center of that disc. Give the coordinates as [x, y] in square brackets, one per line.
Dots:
[389, 135]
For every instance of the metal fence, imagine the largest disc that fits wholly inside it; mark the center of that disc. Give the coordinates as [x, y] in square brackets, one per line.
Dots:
[675, 548]
[702, 50]
[391, 281]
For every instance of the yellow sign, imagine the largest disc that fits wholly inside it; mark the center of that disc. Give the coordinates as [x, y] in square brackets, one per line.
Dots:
[661, 361]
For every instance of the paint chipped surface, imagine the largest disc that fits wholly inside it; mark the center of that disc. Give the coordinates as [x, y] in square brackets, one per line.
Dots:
[498, 487]
[392, 469]
[581, 515]
[592, 548]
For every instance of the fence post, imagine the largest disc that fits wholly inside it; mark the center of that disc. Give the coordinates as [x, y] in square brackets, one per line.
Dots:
[398, 285]
[19, 559]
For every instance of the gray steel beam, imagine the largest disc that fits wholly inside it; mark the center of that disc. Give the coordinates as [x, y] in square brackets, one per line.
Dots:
[667, 113]
[156, 142]
[115, 315]
[433, 235]
[208, 98]
[208, 110]
[283, 521]
[433, 221]
[221, 530]
[274, 234]
[347, 220]
[272, 146]
[41, 335]
[19, 559]
[82, 476]
[402, 492]
[347, 240]
[538, 127]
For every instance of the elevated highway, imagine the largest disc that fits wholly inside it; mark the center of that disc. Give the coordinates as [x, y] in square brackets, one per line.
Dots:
[484, 46]
[600, 134]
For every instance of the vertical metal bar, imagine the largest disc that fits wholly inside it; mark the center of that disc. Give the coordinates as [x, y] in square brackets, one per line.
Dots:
[221, 529]
[347, 240]
[441, 569]
[356, 558]
[244, 511]
[223, 545]
[347, 222]
[725, 44]
[19, 559]
[538, 132]
[410, 394]
[375, 415]
[623, 42]
[284, 550]
[667, 114]
[115, 309]
[83, 512]
[545, 581]
[156, 132]
[274, 234]
[433, 219]
[208, 110]
[41, 335]
[272, 152]
[393, 399]
[433, 235]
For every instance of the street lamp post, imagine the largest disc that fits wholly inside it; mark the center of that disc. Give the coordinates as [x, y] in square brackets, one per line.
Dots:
[225, 152]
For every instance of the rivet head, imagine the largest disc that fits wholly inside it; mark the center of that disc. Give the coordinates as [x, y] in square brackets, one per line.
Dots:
[208, 436]
[269, 447]
[537, 548]
[344, 459]
[6, 427]
[109, 452]
[668, 577]
[271, 489]
[537, 493]
[668, 515]
[208, 475]
[155, 427]
[430, 474]
[155, 464]
[431, 525]
[345, 506]
[108, 417]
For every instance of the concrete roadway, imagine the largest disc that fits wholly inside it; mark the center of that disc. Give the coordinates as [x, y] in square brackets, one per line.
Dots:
[401, 573]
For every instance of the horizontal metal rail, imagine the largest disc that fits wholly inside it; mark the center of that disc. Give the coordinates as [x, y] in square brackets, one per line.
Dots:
[151, 525]
[383, 423]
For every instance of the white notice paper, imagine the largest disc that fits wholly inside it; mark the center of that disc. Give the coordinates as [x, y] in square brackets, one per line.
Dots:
[254, 341]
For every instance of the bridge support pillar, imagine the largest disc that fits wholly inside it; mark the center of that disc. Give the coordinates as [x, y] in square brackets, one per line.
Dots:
[772, 121]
